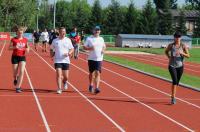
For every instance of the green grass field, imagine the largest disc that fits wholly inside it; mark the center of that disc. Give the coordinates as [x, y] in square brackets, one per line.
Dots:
[186, 79]
[194, 52]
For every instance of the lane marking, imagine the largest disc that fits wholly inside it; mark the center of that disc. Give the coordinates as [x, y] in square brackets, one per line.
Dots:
[3, 48]
[148, 86]
[38, 103]
[86, 98]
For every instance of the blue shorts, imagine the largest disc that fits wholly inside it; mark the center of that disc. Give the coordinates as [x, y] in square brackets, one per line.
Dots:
[63, 66]
[94, 66]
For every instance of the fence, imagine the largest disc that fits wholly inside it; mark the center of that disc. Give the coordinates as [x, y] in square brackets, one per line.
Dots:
[196, 42]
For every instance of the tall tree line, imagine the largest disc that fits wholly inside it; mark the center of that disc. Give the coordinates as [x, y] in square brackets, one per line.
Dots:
[153, 18]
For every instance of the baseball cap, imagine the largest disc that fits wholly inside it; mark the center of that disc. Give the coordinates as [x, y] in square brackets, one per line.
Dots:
[177, 34]
[97, 28]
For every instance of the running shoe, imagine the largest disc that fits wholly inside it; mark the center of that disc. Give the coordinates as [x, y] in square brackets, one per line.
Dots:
[90, 89]
[59, 91]
[18, 90]
[97, 90]
[65, 86]
[173, 100]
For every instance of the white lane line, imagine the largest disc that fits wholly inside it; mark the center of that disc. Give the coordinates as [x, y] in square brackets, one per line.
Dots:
[164, 59]
[38, 104]
[3, 48]
[86, 98]
[164, 64]
[134, 99]
[148, 86]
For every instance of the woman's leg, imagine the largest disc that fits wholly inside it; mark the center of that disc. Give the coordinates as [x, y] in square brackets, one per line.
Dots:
[22, 65]
[15, 72]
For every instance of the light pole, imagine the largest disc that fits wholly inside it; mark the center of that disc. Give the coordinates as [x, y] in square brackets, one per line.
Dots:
[54, 15]
[37, 13]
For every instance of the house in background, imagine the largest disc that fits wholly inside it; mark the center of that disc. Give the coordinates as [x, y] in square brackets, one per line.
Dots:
[190, 17]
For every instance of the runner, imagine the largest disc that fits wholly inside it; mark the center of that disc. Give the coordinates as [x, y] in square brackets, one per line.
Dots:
[61, 50]
[45, 39]
[176, 53]
[19, 45]
[96, 46]
[36, 36]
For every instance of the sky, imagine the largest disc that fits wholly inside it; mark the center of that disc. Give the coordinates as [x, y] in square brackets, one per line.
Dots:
[138, 3]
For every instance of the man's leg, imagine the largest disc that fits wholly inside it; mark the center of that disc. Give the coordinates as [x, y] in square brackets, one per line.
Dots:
[65, 78]
[59, 80]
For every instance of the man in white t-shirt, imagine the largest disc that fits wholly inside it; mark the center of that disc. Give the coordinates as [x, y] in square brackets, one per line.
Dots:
[61, 49]
[96, 46]
[45, 39]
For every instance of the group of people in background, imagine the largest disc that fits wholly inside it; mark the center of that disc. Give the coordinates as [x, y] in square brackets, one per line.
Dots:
[46, 38]
[62, 48]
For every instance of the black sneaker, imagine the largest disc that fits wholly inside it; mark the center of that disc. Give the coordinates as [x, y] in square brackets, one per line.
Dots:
[97, 90]
[90, 89]
[18, 90]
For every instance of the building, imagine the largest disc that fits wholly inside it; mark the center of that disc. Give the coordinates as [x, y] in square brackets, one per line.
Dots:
[154, 41]
[190, 17]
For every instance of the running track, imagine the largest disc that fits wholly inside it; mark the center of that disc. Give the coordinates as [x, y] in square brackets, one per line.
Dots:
[161, 61]
[129, 101]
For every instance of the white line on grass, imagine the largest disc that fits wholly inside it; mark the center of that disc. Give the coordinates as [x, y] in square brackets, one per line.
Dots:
[38, 103]
[86, 98]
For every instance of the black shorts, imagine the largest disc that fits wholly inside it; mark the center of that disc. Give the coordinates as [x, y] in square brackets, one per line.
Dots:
[36, 41]
[63, 66]
[94, 66]
[17, 59]
[44, 42]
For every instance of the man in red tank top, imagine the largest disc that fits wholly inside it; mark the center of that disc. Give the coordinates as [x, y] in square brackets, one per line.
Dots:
[19, 45]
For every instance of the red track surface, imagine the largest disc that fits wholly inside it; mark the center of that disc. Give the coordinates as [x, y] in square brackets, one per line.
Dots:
[161, 61]
[129, 101]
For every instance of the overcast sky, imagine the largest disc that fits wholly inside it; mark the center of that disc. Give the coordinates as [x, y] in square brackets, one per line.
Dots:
[138, 3]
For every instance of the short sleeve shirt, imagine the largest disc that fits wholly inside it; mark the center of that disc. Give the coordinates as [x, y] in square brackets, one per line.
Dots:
[98, 44]
[21, 45]
[61, 47]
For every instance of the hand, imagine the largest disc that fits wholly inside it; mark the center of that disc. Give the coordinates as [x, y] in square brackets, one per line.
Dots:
[66, 54]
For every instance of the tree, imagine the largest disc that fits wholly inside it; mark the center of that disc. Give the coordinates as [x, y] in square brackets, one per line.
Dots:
[181, 23]
[194, 3]
[173, 4]
[96, 15]
[164, 17]
[113, 24]
[131, 19]
[147, 19]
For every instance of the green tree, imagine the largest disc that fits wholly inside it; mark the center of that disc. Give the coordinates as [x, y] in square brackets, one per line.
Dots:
[173, 4]
[96, 14]
[194, 3]
[114, 19]
[147, 22]
[164, 17]
[131, 19]
[181, 23]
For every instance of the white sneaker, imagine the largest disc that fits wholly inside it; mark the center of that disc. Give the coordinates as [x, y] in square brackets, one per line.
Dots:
[59, 91]
[65, 86]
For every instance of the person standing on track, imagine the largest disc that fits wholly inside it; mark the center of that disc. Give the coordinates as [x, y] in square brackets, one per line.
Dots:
[45, 39]
[96, 46]
[176, 52]
[76, 39]
[36, 36]
[19, 45]
[61, 49]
